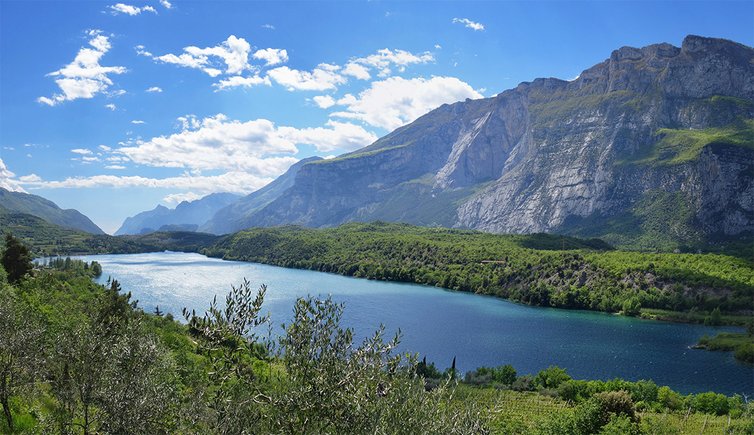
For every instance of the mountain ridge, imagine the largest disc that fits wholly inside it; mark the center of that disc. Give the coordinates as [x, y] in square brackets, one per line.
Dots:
[550, 152]
[187, 215]
[34, 205]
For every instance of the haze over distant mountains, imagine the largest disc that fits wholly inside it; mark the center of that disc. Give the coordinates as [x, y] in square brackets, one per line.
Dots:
[186, 216]
[652, 148]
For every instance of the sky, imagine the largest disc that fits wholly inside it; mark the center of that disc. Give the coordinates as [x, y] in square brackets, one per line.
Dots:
[112, 108]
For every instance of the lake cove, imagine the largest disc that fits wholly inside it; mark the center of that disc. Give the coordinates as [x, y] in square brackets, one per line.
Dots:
[441, 324]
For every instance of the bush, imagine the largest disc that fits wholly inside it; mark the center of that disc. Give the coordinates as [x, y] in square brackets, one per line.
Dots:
[551, 377]
[710, 403]
[523, 383]
[616, 402]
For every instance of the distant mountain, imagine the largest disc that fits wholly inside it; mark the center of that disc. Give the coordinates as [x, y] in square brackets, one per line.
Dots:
[240, 214]
[47, 210]
[188, 215]
[651, 149]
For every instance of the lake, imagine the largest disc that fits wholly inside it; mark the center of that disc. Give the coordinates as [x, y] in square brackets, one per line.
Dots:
[442, 324]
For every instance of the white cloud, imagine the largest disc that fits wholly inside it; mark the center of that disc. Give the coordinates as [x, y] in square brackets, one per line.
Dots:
[337, 136]
[137, 121]
[322, 78]
[385, 58]
[271, 56]
[116, 167]
[396, 101]
[111, 106]
[81, 151]
[233, 53]
[8, 180]
[246, 82]
[166, 4]
[358, 71]
[177, 198]
[324, 101]
[257, 146]
[236, 182]
[104, 148]
[477, 27]
[120, 8]
[84, 77]
[154, 89]
[268, 26]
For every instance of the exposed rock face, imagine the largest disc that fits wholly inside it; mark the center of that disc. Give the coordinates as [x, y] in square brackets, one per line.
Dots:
[46, 210]
[186, 216]
[236, 216]
[658, 133]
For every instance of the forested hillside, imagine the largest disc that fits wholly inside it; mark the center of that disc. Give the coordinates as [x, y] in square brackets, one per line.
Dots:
[536, 269]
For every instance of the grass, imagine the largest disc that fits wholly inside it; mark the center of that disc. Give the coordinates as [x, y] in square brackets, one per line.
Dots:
[513, 412]
[681, 146]
[741, 344]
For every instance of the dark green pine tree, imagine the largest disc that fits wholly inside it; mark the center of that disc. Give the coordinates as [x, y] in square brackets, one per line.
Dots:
[16, 259]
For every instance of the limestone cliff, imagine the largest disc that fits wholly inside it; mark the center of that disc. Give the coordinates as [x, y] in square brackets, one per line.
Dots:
[653, 145]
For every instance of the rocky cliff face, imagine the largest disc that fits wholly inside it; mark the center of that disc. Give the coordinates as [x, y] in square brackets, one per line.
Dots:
[654, 143]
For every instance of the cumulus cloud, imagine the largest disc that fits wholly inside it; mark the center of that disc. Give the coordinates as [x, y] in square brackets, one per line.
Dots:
[396, 101]
[137, 121]
[335, 136]
[230, 55]
[257, 146]
[240, 81]
[81, 151]
[120, 8]
[323, 77]
[116, 167]
[166, 4]
[324, 101]
[8, 179]
[154, 89]
[477, 27]
[271, 56]
[111, 106]
[84, 77]
[385, 58]
[356, 70]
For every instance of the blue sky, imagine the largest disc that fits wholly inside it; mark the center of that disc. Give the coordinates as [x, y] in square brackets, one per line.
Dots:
[112, 108]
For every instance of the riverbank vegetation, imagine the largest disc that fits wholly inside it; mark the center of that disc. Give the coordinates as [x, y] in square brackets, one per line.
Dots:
[539, 269]
[77, 357]
[741, 344]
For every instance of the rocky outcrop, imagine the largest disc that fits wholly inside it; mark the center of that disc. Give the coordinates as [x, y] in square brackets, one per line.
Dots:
[583, 156]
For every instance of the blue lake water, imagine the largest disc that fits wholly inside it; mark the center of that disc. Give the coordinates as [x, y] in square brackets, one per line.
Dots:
[441, 324]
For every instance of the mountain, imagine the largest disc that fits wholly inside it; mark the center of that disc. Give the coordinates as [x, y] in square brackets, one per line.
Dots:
[239, 215]
[19, 202]
[187, 215]
[652, 148]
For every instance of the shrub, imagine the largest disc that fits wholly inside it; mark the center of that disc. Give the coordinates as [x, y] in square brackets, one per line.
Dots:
[551, 377]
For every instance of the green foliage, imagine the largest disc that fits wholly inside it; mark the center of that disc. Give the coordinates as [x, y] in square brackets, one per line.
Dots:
[551, 377]
[680, 146]
[710, 403]
[502, 265]
[742, 344]
[16, 259]
[632, 307]
[503, 375]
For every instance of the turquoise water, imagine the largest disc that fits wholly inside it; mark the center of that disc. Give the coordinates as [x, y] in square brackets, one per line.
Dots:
[477, 330]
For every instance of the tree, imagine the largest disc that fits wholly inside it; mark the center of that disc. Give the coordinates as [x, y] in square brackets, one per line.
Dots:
[551, 377]
[21, 353]
[16, 259]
